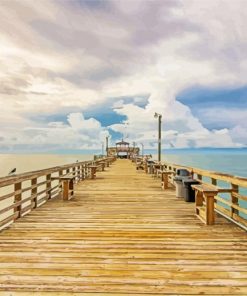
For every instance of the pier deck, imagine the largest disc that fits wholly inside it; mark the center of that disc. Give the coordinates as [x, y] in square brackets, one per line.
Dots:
[121, 234]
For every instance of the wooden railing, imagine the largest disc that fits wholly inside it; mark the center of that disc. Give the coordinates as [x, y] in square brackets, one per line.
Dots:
[22, 193]
[230, 192]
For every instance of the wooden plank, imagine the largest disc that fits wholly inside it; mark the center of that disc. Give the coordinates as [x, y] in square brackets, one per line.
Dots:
[113, 239]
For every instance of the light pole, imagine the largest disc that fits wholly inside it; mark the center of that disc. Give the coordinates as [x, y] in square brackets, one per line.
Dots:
[107, 145]
[159, 116]
[134, 148]
[142, 149]
[102, 148]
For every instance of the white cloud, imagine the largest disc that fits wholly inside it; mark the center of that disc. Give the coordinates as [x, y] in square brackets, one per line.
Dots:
[76, 133]
[64, 57]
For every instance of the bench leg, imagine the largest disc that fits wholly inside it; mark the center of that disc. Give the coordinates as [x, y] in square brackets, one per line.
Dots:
[66, 190]
[199, 201]
[164, 178]
[93, 173]
[210, 216]
[71, 188]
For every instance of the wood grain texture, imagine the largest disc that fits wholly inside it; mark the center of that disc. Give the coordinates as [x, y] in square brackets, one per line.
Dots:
[121, 234]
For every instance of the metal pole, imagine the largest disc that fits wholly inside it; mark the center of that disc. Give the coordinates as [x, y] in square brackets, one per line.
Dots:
[107, 146]
[142, 149]
[159, 139]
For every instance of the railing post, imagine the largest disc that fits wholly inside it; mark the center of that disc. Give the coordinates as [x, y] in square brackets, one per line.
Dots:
[164, 180]
[214, 181]
[34, 192]
[199, 177]
[65, 189]
[83, 171]
[93, 172]
[60, 173]
[48, 185]
[17, 198]
[210, 216]
[234, 200]
[146, 167]
[79, 173]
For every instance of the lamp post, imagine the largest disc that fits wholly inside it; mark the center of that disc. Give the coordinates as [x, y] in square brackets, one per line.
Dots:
[107, 145]
[159, 116]
[134, 148]
[142, 149]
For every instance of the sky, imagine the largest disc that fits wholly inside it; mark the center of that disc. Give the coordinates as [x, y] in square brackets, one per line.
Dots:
[75, 71]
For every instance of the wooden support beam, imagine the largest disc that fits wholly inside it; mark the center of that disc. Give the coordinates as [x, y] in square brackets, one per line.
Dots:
[165, 179]
[210, 215]
[93, 169]
[48, 185]
[34, 192]
[17, 198]
[65, 189]
[234, 200]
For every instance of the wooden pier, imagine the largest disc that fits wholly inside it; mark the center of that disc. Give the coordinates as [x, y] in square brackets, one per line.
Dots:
[121, 234]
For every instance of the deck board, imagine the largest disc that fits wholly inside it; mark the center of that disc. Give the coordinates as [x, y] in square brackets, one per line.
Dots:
[121, 235]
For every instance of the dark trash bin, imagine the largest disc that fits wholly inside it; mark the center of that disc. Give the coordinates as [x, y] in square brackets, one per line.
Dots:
[151, 164]
[189, 193]
[183, 173]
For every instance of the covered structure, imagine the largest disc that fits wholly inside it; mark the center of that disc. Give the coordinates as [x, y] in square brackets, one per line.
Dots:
[123, 150]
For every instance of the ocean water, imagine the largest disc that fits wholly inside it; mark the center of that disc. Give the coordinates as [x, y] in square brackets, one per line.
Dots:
[231, 161]
[32, 162]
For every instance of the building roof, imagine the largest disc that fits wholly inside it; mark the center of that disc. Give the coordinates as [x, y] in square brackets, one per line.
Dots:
[122, 142]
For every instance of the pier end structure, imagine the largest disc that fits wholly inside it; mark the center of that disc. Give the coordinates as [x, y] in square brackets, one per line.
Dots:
[123, 149]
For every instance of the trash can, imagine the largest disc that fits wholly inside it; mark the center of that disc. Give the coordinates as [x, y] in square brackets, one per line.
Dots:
[189, 193]
[182, 174]
[178, 180]
[151, 166]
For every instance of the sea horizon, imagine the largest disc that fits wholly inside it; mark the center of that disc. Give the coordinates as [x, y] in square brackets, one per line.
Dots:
[227, 160]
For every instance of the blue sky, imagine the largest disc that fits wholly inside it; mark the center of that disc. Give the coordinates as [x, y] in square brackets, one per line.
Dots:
[74, 72]
[201, 99]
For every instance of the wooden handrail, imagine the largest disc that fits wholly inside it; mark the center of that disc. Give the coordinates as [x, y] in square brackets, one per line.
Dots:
[23, 192]
[240, 181]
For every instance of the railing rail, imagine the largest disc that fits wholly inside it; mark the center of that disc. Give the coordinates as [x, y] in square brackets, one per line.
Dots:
[24, 192]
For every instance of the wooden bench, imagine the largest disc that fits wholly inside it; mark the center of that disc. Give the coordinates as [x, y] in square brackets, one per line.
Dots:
[93, 170]
[101, 165]
[68, 185]
[140, 165]
[204, 202]
[164, 175]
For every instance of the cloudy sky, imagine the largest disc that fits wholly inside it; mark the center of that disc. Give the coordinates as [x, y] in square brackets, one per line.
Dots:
[73, 72]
